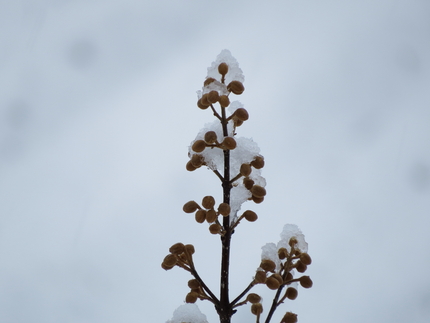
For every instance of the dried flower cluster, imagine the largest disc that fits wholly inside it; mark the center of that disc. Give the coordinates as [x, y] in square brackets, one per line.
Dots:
[237, 164]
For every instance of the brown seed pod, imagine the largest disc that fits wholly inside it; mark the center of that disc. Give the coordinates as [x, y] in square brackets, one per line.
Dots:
[211, 216]
[289, 277]
[191, 297]
[291, 293]
[229, 143]
[224, 101]
[208, 81]
[204, 100]
[258, 191]
[306, 281]
[170, 260]
[289, 318]
[215, 228]
[267, 265]
[257, 200]
[236, 87]
[200, 216]
[201, 105]
[253, 298]
[256, 308]
[282, 253]
[190, 167]
[237, 122]
[260, 277]
[165, 267]
[224, 209]
[223, 68]
[197, 160]
[272, 283]
[213, 96]
[248, 183]
[208, 202]
[245, 170]
[189, 248]
[251, 216]
[193, 284]
[190, 207]
[177, 248]
[301, 267]
[305, 258]
[293, 241]
[258, 162]
[210, 137]
[198, 146]
[278, 277]
[241, 114]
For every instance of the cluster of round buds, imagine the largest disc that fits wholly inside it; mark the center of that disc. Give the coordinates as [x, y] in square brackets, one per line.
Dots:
[289, 317]
[180, 255]
[195, 162]
[208, 213]
[196, 291]
[239, 116]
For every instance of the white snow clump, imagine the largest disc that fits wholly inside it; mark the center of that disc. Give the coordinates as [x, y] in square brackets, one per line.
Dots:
[188, 313]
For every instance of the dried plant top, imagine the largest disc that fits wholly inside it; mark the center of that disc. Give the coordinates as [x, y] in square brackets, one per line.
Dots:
[237, 164]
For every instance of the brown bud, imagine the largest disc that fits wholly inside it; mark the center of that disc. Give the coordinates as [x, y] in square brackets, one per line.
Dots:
[278, 277]
[258, 162]
[213, 96]
[301, 267]
[293, 241]
[289, 318]
[258, 191]
[306, 281]
[237, 122]
[210, 137]
[229, 143]
[189, 248]
[201, 105]
[177, 248]
[305, 258]
[224, 209]
[190, 207]
[193, 284]
[165, 267]
[223, 68]
[204, 100]
[190, 167]
[253, 298]
[214, 228]
[197, 160]
[291, 293]
[256, 308]
[170, 260]
[191, 297]
[257, 200]
[224, 101]
[236, 87]
[211, 216]
[208, 81]
[200, 216]
[289, 277]
[267, 265]
[241, 114]
[251, 216]
[248, 183]
[272, 283]
[245, 169]
[198, 146]
[260, 277]
[282, 253]
[208, 202]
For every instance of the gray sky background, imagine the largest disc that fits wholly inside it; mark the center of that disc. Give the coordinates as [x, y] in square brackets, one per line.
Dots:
[98, 107]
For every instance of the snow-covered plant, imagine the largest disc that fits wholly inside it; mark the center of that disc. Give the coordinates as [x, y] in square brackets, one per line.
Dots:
[237, 163]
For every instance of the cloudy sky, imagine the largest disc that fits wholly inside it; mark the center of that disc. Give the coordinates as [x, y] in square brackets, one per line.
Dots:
[98, 107]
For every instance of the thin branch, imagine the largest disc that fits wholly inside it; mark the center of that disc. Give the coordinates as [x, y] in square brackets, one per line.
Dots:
[247, 289]
[219, 175]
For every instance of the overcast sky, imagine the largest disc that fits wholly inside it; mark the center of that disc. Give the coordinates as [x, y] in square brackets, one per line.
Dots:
[98, 107]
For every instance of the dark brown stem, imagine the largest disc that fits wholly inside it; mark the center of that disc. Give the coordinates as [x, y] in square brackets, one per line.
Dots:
[247, 289]
[274, 304]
